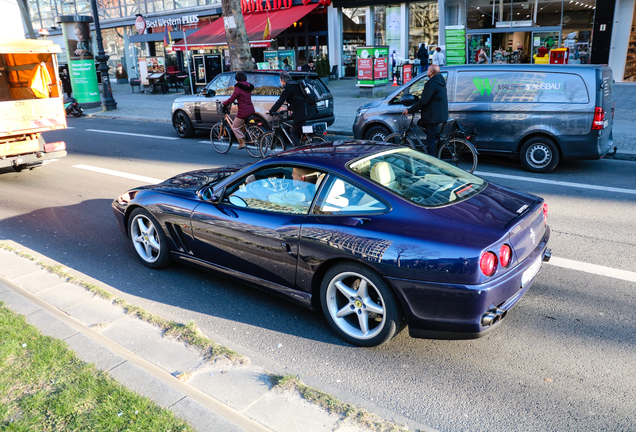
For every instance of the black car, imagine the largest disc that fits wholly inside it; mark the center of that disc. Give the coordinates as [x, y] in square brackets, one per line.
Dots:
[190, 113]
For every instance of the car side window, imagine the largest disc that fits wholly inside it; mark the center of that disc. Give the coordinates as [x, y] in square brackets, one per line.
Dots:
[274, 189]
[416, 88]
[265, 85]
[220, 85]
[341, 197]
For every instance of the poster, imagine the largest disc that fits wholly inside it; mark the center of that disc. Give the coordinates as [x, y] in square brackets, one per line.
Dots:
[372, 64]
[455, 45]
[271, 58]
[148, 66]
[81, 64]
[290, 56]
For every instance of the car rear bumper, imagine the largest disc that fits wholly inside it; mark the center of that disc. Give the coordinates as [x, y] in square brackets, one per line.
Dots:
[329, 120]
[454, 311]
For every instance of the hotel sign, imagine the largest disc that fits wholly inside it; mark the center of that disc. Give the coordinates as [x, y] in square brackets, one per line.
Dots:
[182, 20]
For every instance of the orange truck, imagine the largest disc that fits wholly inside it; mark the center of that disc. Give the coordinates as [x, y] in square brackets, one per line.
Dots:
[30, 103]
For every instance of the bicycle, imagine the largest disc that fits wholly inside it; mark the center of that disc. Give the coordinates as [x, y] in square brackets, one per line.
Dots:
[278, 138]
[221, 133]
[454, 144]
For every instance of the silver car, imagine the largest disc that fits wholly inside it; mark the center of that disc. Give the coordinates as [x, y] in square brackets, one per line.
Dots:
[190, 113]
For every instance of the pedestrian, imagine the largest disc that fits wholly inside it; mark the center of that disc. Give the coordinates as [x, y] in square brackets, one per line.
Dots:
[228, 64]
[293, 95]
[433, 106]
[438, 57]
[66, 82]
[309, 67]
[422, 54]
[243, 94]
[286, 66]
[394, 64]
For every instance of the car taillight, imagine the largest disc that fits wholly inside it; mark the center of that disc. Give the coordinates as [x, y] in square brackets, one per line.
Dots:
[54, 146]
[613, 109]
[488, 263]
[599, 119]
[505, 253]
[545, 213]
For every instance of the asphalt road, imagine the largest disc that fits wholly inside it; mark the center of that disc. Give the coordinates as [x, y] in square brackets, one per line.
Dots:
[563, 359]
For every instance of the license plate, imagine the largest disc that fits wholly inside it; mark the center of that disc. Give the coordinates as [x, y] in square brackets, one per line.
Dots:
[308, 129]
[605, 123]
[531, 271]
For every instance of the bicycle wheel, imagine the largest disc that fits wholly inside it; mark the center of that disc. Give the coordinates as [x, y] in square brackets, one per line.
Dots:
[459, 152]
[221, 138]
[312, 139]
[399, 139]
[271, 143]
[252, 135]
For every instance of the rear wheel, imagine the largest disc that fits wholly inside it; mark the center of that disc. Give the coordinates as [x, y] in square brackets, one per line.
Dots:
[539, 155]
[76, 112]
[252, 135]
[360, 306]
[400, 139]
[271, 143]
[460, 153]
[221, 138]
[377, 133]
[312, 139]
[182, 125]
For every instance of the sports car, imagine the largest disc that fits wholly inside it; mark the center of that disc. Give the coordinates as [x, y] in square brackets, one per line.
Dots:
[378, 237]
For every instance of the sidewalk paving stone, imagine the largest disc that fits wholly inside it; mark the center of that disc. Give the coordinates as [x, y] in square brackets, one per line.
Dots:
[132, 333]
[17, 303]
[38, 281]
[13, 266]
[172, 356]
[96, 311]
[238, 388]
[92, 352]
[145, 384]
[201, 418]
[65, 295]
[50, 325]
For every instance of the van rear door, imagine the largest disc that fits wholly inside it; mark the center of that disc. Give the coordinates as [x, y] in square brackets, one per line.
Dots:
[605, 97]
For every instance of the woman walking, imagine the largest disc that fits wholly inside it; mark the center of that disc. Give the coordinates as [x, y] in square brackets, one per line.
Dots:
[243, 94]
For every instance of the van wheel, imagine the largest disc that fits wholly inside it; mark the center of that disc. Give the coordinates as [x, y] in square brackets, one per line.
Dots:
[539, 155]
[377, 133]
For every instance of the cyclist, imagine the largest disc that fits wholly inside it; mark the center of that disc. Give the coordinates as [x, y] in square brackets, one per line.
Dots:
[242, 92]
[433, 105]
[293, 94]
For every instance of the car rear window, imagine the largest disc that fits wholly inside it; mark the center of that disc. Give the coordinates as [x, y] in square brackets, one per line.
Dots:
[520, 87]
[418, 178]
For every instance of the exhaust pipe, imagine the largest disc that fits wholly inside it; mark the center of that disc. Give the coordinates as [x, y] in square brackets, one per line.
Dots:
[493, 316]
[547, 255]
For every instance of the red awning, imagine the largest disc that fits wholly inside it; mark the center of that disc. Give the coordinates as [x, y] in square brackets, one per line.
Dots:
[255, 22]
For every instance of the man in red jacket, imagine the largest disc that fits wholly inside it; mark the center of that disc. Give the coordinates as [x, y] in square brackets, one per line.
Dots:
[242, 93]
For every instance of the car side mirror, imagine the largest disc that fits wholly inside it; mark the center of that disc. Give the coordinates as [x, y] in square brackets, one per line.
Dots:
[409, 99]
[208, 93]
[207, 194]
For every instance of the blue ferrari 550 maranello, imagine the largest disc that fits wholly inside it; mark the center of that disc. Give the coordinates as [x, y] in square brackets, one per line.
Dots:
[375, 235]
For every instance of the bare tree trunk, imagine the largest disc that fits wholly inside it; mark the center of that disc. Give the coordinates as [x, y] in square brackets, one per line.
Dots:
[24, 9]
[240, 54]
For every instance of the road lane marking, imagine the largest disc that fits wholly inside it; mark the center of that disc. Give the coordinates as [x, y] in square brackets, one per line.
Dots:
[118, 174]
[593, 269]
[132, 134]
[558, 183]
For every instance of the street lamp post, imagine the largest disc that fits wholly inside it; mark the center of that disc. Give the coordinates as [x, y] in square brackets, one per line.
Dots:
[108, 103]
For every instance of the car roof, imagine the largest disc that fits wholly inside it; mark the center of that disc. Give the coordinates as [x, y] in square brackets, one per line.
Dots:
[333, 155]
[274, 72]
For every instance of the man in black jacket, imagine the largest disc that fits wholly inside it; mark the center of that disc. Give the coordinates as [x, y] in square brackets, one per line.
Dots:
[309, 67]
[422, 54]
[293, 94]
[433, 105]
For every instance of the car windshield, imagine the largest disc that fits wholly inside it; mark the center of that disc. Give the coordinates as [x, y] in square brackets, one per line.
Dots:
[418, 178]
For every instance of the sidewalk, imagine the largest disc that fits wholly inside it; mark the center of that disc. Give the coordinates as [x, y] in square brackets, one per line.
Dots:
[157, 107]
[220, 396]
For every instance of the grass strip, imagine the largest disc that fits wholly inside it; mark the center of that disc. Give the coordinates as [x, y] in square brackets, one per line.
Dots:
[335, 406]
[187, 333]
[44, 386]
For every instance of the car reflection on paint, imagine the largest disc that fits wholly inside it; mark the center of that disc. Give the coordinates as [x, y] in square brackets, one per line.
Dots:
[376, 236]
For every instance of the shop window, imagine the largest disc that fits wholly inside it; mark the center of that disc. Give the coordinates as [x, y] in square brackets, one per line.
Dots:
[132, 7]
[423, 25]
[317, 22]
[388, 25]
[576, 30]
[481, 14]
[549, 14]
[354, 35]
[188, 3]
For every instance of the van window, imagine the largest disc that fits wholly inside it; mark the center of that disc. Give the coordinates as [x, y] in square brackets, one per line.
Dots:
[417, 87]
[522, 87]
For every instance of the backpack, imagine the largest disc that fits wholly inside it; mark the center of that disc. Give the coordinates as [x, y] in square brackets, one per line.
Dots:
[310, 92]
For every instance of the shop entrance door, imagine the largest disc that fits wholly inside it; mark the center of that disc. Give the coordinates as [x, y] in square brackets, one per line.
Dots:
[477, 42]
[547, 40]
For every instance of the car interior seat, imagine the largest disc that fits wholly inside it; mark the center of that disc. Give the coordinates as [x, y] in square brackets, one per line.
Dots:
[383, 173]
[335, 200]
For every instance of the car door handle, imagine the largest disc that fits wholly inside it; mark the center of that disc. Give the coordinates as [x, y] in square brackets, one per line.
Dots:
[355, 221]
[286, 247]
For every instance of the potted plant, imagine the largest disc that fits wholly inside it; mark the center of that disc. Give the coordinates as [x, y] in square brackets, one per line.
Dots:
[121, 75]
[186, 86]
[323, 69]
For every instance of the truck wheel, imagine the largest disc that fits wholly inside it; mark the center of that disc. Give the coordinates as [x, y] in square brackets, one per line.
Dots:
[377, 133]
[18, 168]
[539, 155]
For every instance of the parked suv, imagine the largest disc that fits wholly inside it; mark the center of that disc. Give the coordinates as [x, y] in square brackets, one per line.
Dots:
[540, 113]
[190, 113]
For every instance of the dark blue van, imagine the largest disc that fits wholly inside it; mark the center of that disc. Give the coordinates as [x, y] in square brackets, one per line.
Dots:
[540, 113]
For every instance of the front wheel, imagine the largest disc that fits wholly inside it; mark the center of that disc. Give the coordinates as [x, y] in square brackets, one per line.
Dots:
[400, 139]
[312, 139]
[377, 133]
[539, 155]
[76, 111]
[182, 125]
[221, 138]
[271, 143]
[460, 153]
[252, 135]
[148, 239]
[360, 306]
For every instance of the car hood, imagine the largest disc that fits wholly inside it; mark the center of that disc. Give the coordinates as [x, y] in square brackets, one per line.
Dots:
[190, 182]
[372, 104]
[190, 98]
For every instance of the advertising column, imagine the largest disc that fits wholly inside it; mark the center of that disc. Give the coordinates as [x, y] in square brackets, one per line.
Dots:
[81, 63]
